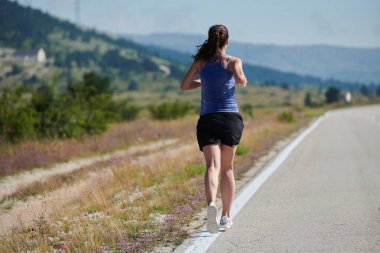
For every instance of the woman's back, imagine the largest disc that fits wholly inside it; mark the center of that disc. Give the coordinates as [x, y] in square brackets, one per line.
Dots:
[218, 87]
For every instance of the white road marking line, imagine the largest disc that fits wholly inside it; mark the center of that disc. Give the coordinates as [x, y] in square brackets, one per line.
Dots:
[205, 239]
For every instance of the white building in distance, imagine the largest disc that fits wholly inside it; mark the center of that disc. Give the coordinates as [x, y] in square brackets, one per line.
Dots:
[30, 55]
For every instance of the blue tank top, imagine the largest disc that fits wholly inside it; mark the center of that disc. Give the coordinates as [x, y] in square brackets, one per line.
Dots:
[217, 89]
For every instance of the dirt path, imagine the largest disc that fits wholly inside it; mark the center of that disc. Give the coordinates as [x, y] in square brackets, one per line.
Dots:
[52, 203]
[10, 184]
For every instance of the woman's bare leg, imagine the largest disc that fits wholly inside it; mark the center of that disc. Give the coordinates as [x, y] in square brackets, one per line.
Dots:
[212, 157]
[227, 185]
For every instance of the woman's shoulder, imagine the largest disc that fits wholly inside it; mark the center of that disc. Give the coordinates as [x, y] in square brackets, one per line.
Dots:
[199, 64]
[233, 58]
[228, 61]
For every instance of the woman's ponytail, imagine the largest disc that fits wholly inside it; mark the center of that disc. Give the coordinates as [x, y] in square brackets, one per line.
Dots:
[210, 49]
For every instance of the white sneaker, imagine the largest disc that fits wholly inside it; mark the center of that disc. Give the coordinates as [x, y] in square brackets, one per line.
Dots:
[212, 224]
[225, 222]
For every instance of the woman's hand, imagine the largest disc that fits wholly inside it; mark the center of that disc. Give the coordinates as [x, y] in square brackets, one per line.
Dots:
[188, 82]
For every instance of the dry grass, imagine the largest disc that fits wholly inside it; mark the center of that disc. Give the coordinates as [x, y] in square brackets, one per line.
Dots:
[43, 153]
[25, 185]
[131, 206]
[109, 196]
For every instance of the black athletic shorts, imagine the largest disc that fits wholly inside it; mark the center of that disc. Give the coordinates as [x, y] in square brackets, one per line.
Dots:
[221, 127]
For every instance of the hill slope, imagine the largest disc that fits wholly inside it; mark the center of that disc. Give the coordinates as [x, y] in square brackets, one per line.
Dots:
[131, 66]
[342, 63]
[73, 48]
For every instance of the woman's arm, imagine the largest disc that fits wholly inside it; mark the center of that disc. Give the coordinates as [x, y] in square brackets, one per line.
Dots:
[237, 69]
[188, 82]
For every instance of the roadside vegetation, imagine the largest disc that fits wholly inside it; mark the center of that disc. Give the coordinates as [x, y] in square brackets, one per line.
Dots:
[133, 205]
[46, 126]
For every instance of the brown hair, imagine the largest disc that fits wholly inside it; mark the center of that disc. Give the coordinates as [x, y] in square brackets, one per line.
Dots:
[217, 38]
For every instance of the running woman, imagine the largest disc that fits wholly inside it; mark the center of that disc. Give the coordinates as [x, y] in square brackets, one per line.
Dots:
[220, 125]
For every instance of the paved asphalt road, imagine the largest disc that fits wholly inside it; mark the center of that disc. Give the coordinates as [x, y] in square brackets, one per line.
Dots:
[325, 197]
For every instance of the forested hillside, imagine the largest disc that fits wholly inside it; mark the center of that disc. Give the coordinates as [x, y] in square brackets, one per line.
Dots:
[130, 66]
[70, 47]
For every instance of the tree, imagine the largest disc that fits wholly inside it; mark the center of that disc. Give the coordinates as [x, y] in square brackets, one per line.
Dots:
[16, 69]
[364, 90]
[307, 100]
[91, 86]
[332, 95]
[133, 85]
[285, 86]
[43, 98]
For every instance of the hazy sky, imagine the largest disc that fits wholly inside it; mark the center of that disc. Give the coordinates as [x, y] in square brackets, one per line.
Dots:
[286, 22]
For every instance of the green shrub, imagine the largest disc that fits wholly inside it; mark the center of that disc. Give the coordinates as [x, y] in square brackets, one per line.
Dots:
[167, 110]
[286, 116]
[247, 109]
[241, 150]
[195, 169]
[309, 102]
[17, 118]
[129, 111]
[86, 108]
[63, 120]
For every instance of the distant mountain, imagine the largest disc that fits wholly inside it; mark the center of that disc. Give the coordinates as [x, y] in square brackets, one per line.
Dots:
[327, 62]
[264, 75]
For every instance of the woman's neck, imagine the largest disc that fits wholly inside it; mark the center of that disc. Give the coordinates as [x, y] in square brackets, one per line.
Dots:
[223, 51]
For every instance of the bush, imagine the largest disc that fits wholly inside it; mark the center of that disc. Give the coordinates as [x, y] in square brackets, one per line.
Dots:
[286, 116]
[87, 108]
[247, 109]
[167, 110]
[241, 150]
[62, 120]
[17, 69]
[17, 118]
[129, 111]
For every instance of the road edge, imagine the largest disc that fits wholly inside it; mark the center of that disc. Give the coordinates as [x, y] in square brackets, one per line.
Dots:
[251, 181]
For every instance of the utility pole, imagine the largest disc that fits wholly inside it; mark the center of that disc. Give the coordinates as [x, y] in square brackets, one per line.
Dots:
[77, 11]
